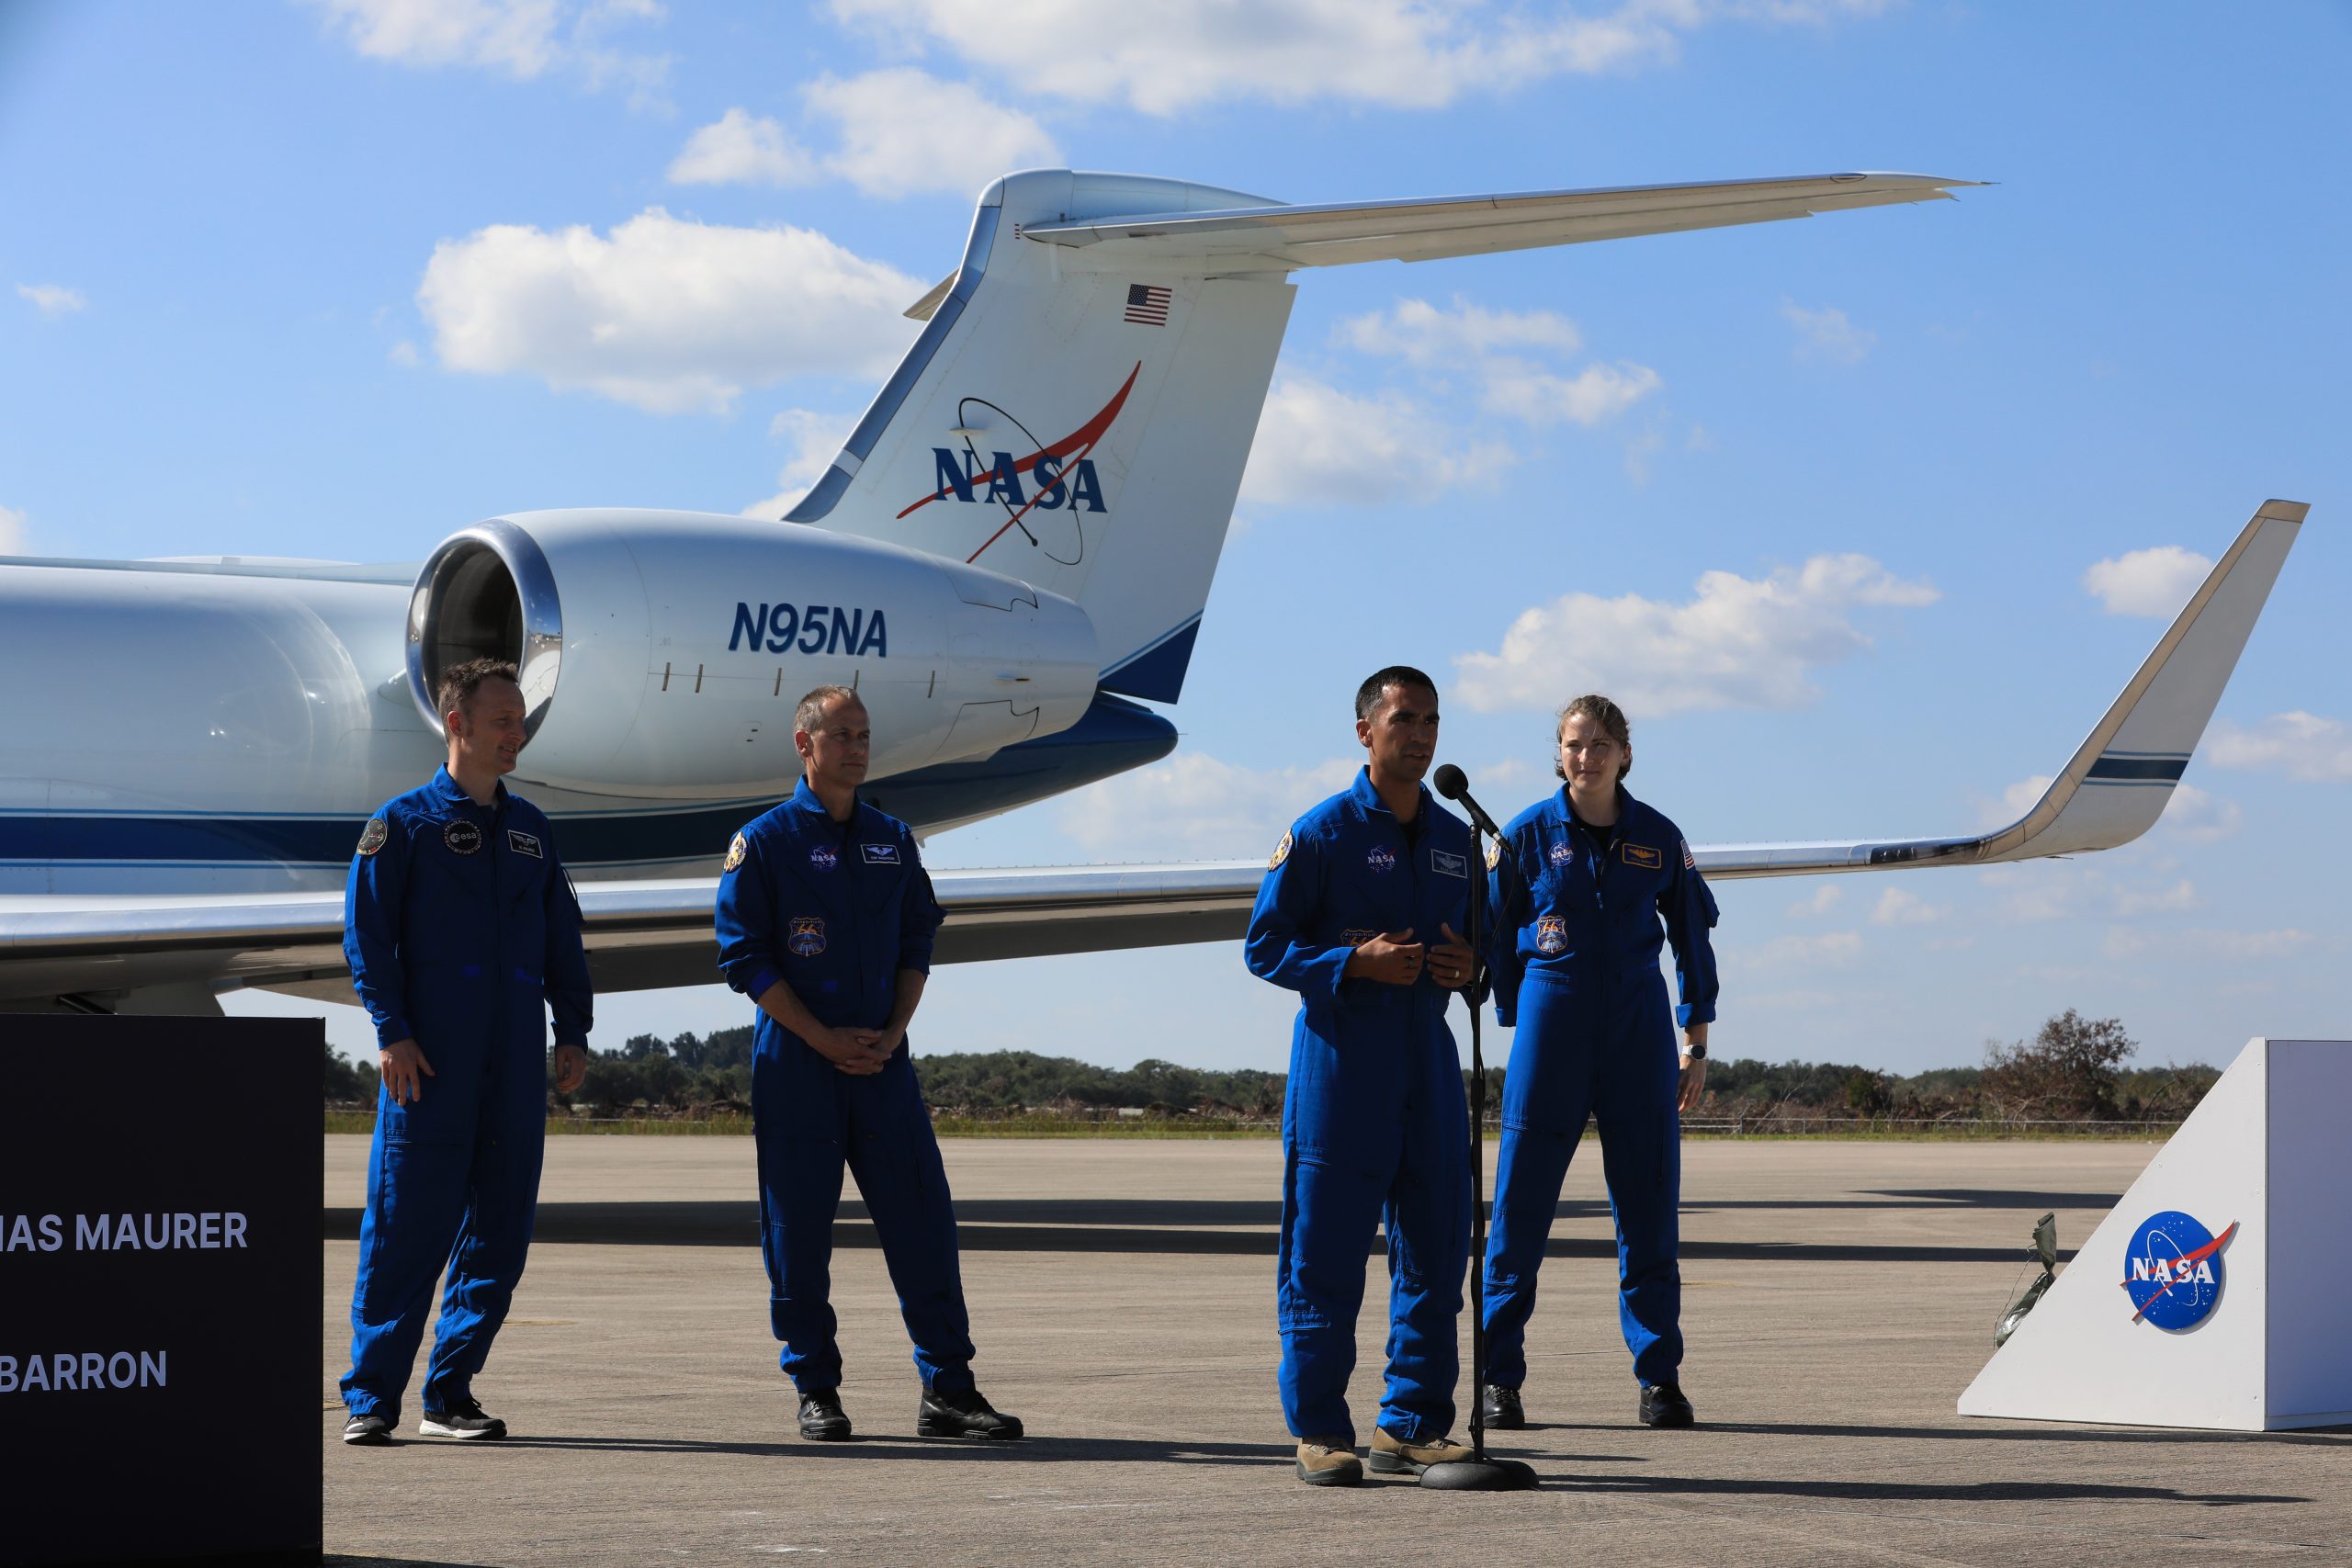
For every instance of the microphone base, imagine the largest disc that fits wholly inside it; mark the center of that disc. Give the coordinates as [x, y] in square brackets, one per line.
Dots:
[1480, 1475]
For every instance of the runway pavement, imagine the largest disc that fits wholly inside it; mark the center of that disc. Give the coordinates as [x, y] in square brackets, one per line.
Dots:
[1838, 1296]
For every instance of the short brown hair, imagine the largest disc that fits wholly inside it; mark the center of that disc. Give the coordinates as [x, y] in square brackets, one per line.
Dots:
[1603, 712]
[811, 711]
[461, 682]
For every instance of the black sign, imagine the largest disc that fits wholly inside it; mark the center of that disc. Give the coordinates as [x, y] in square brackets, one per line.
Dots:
[161, 1273]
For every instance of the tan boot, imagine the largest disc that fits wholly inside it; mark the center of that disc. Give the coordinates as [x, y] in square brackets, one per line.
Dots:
[1391, 1455]
[1329, 1461]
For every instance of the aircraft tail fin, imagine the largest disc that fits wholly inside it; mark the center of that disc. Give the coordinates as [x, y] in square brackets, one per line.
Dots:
[1080, 404]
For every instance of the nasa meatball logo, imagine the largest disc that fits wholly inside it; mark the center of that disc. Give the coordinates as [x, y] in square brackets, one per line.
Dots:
[1550, 935]
[807, 937]
[824, 857]
[2173, 1270]
[462, 836]
[1381, 860]
[1561, 852]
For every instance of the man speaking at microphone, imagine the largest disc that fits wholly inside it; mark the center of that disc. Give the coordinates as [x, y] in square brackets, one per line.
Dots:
[1360, 913]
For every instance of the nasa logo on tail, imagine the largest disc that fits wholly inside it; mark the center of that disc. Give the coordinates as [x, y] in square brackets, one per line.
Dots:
[1024, 477]
[2172, 1270]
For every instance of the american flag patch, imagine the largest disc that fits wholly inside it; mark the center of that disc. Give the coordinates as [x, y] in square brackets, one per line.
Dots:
[1147, 304]
[1688, 864]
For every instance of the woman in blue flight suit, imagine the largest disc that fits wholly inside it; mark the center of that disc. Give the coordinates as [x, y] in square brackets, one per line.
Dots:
[1587, 885]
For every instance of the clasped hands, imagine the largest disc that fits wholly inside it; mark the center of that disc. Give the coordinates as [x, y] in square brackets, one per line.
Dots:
[860, 1052]
[1394, 958]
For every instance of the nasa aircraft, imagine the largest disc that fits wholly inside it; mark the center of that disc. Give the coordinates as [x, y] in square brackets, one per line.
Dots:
[1012, 547]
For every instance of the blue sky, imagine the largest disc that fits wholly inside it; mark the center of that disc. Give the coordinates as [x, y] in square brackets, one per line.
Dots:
[293, 280]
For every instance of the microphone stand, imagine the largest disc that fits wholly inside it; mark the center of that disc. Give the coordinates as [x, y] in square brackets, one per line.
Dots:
[1478, 1473]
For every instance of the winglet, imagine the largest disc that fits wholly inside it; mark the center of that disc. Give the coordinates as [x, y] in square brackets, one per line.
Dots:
[2121, 778]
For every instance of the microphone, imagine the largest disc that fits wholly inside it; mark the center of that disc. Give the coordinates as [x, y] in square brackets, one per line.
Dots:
[1455, 787]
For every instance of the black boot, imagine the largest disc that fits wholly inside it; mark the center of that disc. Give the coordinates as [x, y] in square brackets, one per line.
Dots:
[963, 1414]
[1663, 1406]
[821, 1417]
[1499, 1409]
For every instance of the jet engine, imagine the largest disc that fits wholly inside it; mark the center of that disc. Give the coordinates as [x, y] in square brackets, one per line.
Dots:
[662, 653]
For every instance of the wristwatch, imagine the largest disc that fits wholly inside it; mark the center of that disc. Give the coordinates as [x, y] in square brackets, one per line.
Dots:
[1695, 1050]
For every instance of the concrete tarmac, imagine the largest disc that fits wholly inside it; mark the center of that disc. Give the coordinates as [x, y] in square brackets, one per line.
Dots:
[1837, 1298]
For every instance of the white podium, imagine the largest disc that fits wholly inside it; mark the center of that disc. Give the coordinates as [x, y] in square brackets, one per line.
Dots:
[2218, 1292]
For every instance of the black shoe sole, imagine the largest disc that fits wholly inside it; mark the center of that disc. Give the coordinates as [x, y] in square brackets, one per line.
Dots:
[1497, 1423]
[1329, 1477]
[928, 1427]
[827, 1434]
[1664, 1419]
[1383, 1464]
[369, 1439]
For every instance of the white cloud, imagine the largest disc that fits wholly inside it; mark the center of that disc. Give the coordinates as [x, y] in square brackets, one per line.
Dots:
[1318, 445]
[2014, 803]
[1785, 952]
[1825, 333]
[2122, 942]
[12, 532]
[522, 40]
[2147, 582]
[52, 298]
[1509, 771]
[2181, 894]
[1161, 56]
[1898, 907]
[736, 149]
[403, 354]
[1823, 899]
[2253, 945]
[2200, 817]
[2303, 746]
[902, 131]
[1740, 642]
[1495, 345]
[815, 438]
[663, 313]
[1194, 806]
[1423, 335]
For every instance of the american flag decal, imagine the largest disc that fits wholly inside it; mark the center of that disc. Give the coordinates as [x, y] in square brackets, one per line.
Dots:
[1147, 304]
[1689, 864]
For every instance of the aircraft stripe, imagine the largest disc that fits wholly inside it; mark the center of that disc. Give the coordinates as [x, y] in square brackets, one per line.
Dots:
[1177, 630]
[2120, 765]
[582, 841]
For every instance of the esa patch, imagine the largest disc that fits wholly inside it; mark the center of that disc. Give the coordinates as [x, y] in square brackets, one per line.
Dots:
[373, 835]
[1550, 935]
[1381, 859]
[1281, 853]
[823, 857]
[1445, 865]
[807, 936]
[1641, 855]
[462, 836]
[736, 849]
[881, 855]
[524, 844]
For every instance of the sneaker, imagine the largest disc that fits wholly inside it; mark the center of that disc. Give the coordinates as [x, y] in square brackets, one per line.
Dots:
[1392, 1455]
[823, 1419]
[370, 1430]
[1329, 1461]
[465, 1422]
[1663, 1406]
[1500, 1410]
[963, 1414]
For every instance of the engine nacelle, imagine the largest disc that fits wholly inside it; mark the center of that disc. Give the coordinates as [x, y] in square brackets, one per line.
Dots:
[661, 652]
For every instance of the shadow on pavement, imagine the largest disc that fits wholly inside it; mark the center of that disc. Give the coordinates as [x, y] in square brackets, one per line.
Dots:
[1929, 1491]
[1032, 1449]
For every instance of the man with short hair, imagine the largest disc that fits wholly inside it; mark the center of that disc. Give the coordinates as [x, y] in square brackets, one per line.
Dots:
[825, 921]
[1360, 913]
[461, 931]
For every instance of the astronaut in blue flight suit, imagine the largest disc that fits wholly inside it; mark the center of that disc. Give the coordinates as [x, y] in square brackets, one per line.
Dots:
[1360, 913]
[825, 921]
[1586, 885]
[462, 932]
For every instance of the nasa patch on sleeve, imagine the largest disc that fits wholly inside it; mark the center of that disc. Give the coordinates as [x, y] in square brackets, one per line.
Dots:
[1281, 853]
[372, 837]
[736, 851]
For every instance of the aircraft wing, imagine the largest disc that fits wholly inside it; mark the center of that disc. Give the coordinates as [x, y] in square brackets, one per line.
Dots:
[1279, 237]
[643, 935]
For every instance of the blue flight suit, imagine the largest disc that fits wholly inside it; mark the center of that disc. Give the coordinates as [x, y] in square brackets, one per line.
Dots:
[835, 911]
[1581, 917]
[1373, 1123]
[462, 932]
